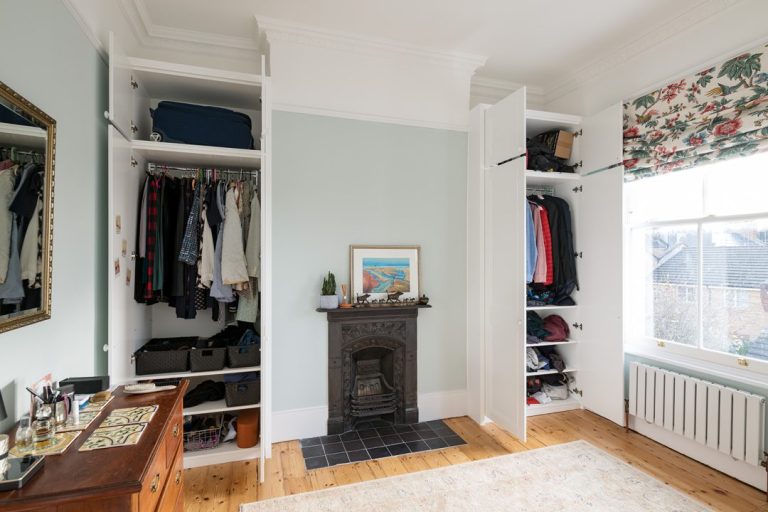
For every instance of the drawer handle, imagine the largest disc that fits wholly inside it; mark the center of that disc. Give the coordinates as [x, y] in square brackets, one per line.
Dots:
[155, 483]
[176, 430]
[178, 477]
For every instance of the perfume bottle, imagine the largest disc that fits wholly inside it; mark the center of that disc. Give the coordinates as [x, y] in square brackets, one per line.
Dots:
[24, 435]
[42, 427]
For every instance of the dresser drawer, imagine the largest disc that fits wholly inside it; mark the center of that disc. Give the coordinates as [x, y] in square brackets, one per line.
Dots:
[174, 434]
[175, 486]
[152, 486]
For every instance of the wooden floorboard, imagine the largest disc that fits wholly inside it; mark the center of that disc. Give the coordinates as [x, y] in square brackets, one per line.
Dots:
[223, 487]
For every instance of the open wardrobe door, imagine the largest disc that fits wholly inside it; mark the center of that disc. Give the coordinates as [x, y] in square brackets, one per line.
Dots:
[600, 240]
[121, 86]
[504, 301]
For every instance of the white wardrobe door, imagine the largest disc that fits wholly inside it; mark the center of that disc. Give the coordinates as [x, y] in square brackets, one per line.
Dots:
[601, 356]
[128, 322]
[121, 108]
[505, 129]
[505, 295]
[601, 140]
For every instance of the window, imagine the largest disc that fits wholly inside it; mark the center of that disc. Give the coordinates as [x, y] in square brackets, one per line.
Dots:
[697, 256]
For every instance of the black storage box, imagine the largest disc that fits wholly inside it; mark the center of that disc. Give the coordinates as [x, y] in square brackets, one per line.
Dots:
[247, 392]
[207, 356]
[164, 355]
[239, 356]
[87, 385]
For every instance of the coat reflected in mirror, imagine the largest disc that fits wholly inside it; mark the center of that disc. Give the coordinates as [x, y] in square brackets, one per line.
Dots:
[27, 148]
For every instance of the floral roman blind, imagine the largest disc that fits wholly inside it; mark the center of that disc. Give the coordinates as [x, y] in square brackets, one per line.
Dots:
[716, 114]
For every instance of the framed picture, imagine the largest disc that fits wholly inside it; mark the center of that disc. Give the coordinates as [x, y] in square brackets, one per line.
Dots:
[381, 269]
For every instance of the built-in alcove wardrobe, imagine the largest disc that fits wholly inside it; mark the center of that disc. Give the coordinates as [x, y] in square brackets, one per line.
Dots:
[498, 181]
[135, 86]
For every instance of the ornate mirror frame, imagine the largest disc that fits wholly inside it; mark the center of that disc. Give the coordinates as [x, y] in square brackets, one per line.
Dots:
[49, 124]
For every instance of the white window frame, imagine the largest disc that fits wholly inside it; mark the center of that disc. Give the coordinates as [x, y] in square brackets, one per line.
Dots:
[730, 365]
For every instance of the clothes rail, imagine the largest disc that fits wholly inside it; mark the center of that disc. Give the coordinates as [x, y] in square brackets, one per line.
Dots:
[160, 168]
[540, 190]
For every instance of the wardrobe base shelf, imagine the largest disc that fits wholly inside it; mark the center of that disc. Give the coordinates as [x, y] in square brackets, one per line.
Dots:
[568, 404]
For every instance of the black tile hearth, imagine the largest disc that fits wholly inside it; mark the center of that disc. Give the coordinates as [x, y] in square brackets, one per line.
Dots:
[376, 440]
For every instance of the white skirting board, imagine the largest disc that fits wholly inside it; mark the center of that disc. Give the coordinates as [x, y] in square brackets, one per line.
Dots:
[754, 476]
[312, 421]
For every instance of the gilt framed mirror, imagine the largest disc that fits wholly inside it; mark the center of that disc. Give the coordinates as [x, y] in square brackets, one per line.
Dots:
[27, 156]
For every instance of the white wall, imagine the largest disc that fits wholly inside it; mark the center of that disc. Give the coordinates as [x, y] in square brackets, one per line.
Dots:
[625, 73]
[47, 59]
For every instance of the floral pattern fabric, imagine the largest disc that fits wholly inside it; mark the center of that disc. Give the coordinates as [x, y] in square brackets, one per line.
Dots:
[716, 114]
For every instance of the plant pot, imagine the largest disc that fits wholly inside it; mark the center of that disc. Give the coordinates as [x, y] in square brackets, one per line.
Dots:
[329, 301]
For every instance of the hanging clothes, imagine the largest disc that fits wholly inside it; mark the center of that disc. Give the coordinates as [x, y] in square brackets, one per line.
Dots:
[540, 271]
[530, 245]
[220, 291]
[7, 181]
[30, 261]
[253, 241]
[233, 266]
[12, 290]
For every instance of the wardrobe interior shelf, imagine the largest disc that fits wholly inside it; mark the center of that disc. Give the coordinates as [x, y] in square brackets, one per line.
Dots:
[225, 452]
[545, 177]
[22, 136]
[549, 308]
[187, 375]
[216, 406]
[568, 404]
[194, 84]
[191, 155]
[548, 372]
[539, 121]
[551, 343]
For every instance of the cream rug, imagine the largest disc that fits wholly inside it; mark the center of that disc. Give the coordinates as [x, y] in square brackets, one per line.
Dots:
[568, 477]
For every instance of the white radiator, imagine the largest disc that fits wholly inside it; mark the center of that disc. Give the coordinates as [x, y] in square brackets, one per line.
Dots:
[715, 424]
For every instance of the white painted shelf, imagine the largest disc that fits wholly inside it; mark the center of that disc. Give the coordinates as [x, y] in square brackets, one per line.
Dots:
[568, 404]
[190, 155]
[187, 375]
[549, 308]
[548, 372]
[225, 452]
[539, 121]
[23, 136]
[551, 343]
[216, 406]
[543, 176]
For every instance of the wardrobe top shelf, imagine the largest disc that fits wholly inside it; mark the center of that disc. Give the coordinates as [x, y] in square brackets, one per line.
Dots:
[23, 136]
[188, 154]
[189, 375]
[548, 308]
[544, 177]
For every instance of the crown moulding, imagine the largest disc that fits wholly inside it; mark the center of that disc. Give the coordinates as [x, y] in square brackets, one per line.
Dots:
[279, 30]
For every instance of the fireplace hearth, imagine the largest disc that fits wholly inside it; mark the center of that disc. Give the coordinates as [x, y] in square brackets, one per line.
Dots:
[371, 367]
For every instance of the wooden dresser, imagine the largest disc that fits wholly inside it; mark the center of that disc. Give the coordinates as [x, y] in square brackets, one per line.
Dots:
[145, 477]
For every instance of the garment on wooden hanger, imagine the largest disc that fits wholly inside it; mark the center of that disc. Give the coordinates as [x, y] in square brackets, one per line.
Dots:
[233, 266]
[7, 181]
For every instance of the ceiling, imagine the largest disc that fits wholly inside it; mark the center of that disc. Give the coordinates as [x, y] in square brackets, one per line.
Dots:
[526, 41]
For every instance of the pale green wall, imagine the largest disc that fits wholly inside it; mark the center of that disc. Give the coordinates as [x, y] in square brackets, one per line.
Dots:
[46, 58]
[338, 182]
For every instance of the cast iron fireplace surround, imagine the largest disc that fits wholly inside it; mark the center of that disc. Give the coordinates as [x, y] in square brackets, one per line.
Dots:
[366, 335]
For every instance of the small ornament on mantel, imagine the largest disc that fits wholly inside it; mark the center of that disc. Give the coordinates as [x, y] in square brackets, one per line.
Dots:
[423, 300]
[344, 302]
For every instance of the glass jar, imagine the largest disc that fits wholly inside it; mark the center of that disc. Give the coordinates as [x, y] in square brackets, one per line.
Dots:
[42, 427]
[24, 435]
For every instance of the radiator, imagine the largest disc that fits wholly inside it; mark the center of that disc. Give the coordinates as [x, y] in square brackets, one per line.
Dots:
[718, 418]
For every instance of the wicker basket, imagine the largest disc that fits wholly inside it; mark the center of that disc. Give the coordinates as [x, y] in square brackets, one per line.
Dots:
[164, 355]
[207, 356]
[239, 356]
[243, 393]
[204, 439]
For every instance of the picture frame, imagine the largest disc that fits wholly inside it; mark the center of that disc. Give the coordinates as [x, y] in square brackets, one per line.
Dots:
[378, 270]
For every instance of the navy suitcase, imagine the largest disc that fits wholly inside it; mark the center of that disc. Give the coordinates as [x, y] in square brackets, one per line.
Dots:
[197, 124]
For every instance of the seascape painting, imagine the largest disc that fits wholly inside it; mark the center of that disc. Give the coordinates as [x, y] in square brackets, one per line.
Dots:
[383, 275]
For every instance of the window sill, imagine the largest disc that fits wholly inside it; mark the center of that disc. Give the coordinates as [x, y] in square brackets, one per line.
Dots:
[714, 370]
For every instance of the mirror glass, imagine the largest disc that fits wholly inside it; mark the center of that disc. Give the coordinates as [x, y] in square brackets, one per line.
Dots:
[27, 145]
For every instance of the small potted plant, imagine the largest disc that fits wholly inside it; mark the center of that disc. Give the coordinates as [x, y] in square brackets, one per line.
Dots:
[329, 299]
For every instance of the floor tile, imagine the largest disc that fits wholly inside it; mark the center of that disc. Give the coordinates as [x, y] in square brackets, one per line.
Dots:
[435, 423]
[403, 428]
[398, 449]
[428, 434]
[410, 436]
[351, 446]
[420, 427]
[316, 462]
[378, 453]
[368, 433]
[393, 439]
[330, 439]
[373, 442]
[333, 448]
[350, 436]
[436, 443]
[418, 446]
[312, 451]
[312, 441]
[337, 458]
[358, 455]
[385, 431]
[454, 440]
[443, 431]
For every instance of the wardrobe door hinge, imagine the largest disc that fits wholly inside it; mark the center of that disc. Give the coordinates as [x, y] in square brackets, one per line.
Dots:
[134, 128]
[134, 163]
[577, 391]
[578, 133]
[134, 83]
[578, 255]
[579, 326]
[580, 188]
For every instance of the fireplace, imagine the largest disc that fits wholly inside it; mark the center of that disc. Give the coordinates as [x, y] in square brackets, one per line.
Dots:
[371, 367]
